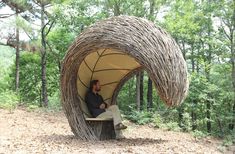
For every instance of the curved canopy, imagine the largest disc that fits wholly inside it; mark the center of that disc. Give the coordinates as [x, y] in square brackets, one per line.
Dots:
[111, 51]
[107, 65]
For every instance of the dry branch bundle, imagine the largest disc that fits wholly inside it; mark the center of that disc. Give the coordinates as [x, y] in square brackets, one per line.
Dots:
[128, 39]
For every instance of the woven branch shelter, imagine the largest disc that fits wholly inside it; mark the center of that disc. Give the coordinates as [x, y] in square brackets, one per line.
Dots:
[112, 51]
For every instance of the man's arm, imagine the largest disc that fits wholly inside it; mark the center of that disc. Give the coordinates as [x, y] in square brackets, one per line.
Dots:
[106, 104]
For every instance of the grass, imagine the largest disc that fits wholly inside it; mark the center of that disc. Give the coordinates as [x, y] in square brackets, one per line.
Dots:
[9, 100]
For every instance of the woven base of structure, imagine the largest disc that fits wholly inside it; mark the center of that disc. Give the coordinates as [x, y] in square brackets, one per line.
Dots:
[152, 47]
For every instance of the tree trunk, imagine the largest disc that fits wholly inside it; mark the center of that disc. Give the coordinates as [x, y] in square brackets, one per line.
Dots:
[129, 90]
[150, 94]
[138, 91]
[220, 127]
[17, 73]
[232, 43]
[208, 58]
[197, 61]
[150, 85]
[194, 102]
[180, 118]
[194, 115]
[141, 90]
[231, 126]
[151, 9]
[208, 105]
[208, 116]
[181, 109]
[43, 60]
[116, 9]
[184, 51]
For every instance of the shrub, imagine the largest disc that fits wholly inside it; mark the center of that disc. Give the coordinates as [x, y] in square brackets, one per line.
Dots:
[30, 83]
[140, 117]
[157, 121]
[199, 134]
[229, 140]
[187, 123]
[171, 126]
[8, 100]
[55, 103]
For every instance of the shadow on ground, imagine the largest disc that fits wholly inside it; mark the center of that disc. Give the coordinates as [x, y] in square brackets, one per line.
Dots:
[71, 139]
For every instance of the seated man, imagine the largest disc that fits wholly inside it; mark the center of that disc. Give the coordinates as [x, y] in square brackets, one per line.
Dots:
[100, 109]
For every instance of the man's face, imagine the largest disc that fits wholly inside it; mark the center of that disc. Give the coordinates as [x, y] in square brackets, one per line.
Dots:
[97, 87]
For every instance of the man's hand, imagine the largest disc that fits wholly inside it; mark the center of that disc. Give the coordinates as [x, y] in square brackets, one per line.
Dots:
[108, 105]
[102, 106]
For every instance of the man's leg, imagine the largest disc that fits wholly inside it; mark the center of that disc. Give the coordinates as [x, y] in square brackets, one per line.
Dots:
[106, 114]
[117, 119]
[112, 112]
[109, 114]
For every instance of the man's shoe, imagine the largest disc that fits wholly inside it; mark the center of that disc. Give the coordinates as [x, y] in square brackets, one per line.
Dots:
[120, 126]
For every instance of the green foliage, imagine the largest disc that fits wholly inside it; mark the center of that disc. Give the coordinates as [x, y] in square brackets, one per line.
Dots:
[60, 39]
[182, 21]
[29, 88]
[229, 140]
[75, 15]
[55, 104]
[6, 60]
[187, 124]
[145, 117]
[173, 126]
[199, 134]
[139, 117]
[158, 121]
[164, 123]
[8, 100]
[32, 107]
[30, 78]
[127, 96]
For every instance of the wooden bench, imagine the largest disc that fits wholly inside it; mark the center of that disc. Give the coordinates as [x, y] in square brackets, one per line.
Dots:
[102, 127]
[99, 119]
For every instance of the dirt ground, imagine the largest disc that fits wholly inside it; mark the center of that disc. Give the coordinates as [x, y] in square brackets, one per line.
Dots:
[40, 132]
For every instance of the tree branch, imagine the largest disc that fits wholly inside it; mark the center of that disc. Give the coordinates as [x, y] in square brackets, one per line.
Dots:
[3, 44]
[224, 22]
[6, 15]
[56, 54]
[226, 34]
[28, 35]
[50, 27]
[43, 28]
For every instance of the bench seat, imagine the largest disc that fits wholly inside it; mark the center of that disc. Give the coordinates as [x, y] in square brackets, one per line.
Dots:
[102, 127]
[99, 119]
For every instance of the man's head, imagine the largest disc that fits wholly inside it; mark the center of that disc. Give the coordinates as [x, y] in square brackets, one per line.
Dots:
[95, 85]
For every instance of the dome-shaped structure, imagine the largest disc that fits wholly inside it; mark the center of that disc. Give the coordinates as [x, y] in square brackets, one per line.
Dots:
[112, 51]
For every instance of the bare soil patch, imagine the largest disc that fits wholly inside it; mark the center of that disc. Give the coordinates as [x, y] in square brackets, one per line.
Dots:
[42, 132]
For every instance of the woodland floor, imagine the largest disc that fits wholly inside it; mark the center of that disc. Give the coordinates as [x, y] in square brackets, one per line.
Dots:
[42, 132]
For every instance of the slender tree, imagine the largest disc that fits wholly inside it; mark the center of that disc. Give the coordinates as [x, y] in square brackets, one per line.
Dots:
[227, 31]
[44, 33]
[17, 75]
[138, 91]
[18, 8]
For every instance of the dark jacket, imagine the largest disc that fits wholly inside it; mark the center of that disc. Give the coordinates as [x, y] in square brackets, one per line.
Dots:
[93, 103]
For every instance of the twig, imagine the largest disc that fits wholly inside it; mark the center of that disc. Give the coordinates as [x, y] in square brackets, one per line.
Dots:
[50, 27]
[6, 15]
